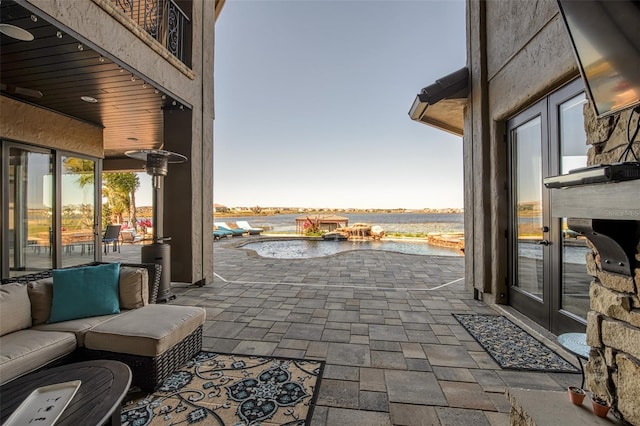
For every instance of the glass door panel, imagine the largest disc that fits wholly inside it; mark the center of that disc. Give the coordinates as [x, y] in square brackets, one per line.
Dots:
[527, 165]
[78, 210]
[30, 220]
[574, 289]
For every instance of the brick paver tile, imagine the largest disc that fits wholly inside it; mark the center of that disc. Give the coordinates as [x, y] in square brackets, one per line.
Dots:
[341, 416]
[317, 350]
[224, 329]
[413, 415]
[349, 354]
[252, 347]
[489, 380]
[338, 393]
[374, 401]
[343, 336]
[372, 379]
[454, 374]
[466, 395]
[341, 372]
[304, 331]
[394, 333]
[413, 387]
[412, 350]
[391, 360]
[459, 416]
[448, 356]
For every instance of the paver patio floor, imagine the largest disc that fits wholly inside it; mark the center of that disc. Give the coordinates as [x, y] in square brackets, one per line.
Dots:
[382, 322]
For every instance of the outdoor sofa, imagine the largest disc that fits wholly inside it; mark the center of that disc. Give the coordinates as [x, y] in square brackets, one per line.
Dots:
[36, 328]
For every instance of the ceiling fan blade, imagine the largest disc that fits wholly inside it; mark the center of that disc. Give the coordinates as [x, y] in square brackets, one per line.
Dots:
[15, 90]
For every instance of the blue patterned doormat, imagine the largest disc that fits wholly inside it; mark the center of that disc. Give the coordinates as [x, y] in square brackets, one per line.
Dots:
[224, 389]
[512, 347]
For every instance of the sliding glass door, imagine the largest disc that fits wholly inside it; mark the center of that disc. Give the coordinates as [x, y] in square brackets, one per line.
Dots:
[48, 210]
[27, 201]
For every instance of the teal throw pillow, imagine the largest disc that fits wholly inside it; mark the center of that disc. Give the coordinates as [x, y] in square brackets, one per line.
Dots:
[86, 291]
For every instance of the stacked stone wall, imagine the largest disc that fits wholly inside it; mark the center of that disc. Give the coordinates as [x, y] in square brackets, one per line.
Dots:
[613, 324]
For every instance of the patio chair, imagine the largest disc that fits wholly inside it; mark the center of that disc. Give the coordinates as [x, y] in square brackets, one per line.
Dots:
[250, 229]
[234, 232]
[219, 233]
[111, 236]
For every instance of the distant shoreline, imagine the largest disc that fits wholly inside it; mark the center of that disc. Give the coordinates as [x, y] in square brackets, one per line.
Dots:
[303, 212]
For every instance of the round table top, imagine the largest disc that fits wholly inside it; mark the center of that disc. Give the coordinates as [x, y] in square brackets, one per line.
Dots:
[575, 343]
[104, 385]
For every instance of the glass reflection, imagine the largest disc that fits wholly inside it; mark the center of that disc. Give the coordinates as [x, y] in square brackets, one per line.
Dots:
[573, 154]
[30, 211]
[78, 207]
[528, 204]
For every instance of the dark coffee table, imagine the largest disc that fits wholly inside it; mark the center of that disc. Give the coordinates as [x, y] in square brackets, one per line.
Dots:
[98, 400]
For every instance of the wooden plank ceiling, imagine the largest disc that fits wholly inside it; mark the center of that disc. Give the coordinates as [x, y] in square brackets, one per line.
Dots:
[64, 69]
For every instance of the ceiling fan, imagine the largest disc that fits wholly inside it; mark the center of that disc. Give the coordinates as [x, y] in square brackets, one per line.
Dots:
[16, 90]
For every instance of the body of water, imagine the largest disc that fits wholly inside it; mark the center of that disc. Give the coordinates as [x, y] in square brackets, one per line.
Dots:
[391, 222]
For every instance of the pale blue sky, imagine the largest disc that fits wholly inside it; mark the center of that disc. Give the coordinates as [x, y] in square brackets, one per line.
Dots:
[312, 98]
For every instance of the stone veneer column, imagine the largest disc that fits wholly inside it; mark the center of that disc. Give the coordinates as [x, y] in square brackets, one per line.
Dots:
[613, 324]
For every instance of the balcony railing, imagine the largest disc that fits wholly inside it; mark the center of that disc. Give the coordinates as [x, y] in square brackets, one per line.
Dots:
[164, 21]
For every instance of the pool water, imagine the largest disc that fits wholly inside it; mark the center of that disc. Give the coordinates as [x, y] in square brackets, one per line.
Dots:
[305, 249]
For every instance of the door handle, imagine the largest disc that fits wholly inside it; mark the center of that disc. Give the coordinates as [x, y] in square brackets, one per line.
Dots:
[544, 242]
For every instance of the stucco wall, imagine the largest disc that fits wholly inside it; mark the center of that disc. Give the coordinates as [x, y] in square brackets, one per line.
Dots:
[26, 123]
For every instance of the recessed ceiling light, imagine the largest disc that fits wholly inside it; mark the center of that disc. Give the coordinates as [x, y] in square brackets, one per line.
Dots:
[89, 99]
[80, 47]
[34, 18]
[16, 32]
[59, 34]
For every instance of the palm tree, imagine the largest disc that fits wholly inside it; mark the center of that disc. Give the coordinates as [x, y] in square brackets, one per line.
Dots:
[123, 187]
[119, 187]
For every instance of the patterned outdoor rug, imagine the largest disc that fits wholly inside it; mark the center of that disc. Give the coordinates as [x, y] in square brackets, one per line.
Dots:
[512, 347]
[221, 389]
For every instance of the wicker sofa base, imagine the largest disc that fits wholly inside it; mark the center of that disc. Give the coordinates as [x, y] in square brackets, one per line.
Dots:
[150, 372]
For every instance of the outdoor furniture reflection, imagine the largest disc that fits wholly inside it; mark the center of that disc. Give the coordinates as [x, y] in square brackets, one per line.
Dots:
[111, 236]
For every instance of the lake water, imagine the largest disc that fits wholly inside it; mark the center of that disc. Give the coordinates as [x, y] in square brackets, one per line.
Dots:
[391, 222]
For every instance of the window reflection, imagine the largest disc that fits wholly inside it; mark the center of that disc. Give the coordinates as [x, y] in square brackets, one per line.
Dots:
[528, 204]
[573, 154]
[30, 211]
[78, 210]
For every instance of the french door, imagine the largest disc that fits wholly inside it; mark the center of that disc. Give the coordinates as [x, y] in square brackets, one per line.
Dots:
[548, 279]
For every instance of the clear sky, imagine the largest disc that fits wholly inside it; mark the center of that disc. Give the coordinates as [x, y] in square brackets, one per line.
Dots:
[312, 101]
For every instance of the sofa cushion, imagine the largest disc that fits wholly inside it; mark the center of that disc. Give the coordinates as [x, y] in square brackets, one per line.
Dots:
[147, 331]
[40, 295]
[15, 308]
[79, 326]
[134, 287]
[28, 350]
[85, 292]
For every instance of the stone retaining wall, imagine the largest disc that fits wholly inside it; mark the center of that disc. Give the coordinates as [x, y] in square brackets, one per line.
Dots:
[613, 324]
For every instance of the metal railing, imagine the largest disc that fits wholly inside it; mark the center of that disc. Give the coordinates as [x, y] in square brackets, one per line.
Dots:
[164, 21]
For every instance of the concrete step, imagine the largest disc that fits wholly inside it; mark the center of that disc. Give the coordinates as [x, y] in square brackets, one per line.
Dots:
[545, 408]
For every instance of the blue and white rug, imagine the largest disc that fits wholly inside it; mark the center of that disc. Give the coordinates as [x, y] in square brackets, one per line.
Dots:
[512, 347]
[237, 390]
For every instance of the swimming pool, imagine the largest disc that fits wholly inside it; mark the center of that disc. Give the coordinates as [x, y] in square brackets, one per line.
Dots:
[305, 249]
